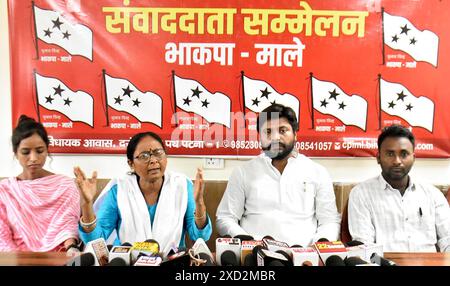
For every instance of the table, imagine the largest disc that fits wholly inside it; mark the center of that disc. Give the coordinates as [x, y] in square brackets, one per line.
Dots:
[33, 258]
[419, 259]
[60, 259]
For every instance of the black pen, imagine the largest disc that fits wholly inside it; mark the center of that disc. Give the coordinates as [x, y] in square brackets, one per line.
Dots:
[420, 211]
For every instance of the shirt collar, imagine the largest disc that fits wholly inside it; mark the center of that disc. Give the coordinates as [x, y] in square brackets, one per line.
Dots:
[268, 159]
[386, 186]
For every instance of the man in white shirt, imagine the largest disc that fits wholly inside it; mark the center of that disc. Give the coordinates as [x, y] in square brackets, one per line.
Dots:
[280, 193]
[394, 209]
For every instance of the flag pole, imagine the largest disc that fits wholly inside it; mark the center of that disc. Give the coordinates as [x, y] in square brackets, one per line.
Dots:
[106, 97]
[312, 100]
[243, 97]
[35, 32]
[37, 96]
[379, 101]
[382, 33]
[175, 99]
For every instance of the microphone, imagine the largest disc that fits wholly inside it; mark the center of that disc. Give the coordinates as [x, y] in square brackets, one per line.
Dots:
[287, 256]
[174, 250]
[326, 249]
[356, 249]
[85, 259]
[269, 258]
[179, 259]
[274, 245]
[148, 261]
[353, 243]
[323, 239]
[354, 261]
[334, 260]
[247, 247]
[304, 256]
[275, 263]
[123, 252]
[209, 259]
[228, 244]
[99, 249]
[150, 247]
[244, 237]
[375, 258]
[201, 249]
[364, 251]
[249, 260]
[118, 261]
[228, 258]
[252, 258]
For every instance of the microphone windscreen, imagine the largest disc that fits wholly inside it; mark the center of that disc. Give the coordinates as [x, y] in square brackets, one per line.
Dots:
[255, 250]
[334, 260]
[209, 260]
[353, 243]
[275, 263]
[226, 236]
[297, 245]
[268, 237]
[126, 244]
[117, 262]
[375, 258]
[250, 260]
[228, 258]
[85, 259]
[244, 237]
[288, 257]
[323, 239]
[353, 261]
[284, 253]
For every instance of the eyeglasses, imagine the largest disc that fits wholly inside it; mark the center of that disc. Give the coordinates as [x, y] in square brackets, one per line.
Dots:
[145, 156]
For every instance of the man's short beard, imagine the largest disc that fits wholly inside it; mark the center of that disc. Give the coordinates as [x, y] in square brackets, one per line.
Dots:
[279, 155]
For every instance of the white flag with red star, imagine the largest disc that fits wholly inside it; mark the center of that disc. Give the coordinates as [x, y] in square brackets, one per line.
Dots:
[397, 100]
[122, 95]
[401, 34]
[53, 94]
[259, 94]
[329, 98]
[192, 96]
[53, 28]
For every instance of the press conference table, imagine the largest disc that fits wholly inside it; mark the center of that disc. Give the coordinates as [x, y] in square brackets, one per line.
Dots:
[59, 259]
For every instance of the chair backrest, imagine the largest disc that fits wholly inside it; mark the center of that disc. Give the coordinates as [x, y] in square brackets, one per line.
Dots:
[448, 196]
[345, 232]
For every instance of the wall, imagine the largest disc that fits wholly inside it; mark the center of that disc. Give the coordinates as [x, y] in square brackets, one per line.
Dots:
[342, 170]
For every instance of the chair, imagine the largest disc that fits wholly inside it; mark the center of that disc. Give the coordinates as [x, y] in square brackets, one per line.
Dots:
[448, 196]
[345, 232]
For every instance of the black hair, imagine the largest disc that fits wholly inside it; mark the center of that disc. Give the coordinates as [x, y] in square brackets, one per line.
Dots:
[398, 131]
[27, 127]
[134, 141]
[281, 111]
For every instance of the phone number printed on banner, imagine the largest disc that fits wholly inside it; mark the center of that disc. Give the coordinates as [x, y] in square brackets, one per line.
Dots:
[307, 145]
[247, 145]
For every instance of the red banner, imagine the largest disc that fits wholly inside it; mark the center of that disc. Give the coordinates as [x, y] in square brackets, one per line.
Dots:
[198, 72]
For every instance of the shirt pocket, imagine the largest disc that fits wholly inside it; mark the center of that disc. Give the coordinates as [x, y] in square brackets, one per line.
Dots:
[300, 197]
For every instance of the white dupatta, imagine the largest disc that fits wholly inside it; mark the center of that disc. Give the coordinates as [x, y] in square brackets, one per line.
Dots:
[169, 217]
